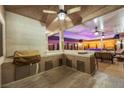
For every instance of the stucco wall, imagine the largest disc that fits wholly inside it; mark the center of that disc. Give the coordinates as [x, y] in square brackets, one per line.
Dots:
[2, 20]
[23, 33]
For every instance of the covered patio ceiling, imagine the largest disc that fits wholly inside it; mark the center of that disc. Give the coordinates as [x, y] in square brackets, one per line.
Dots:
[86, 13]
[113, 24]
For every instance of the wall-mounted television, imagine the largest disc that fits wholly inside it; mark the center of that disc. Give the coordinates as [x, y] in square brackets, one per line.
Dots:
[1, 40]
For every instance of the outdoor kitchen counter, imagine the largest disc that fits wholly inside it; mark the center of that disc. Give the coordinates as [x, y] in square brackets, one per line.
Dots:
[82, 62]
[76, 53]
[56, 53]
[85, 61]
[69, 52]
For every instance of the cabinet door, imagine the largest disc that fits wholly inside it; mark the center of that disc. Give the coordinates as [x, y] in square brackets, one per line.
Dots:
[60, 62]
[68, 62]
[48, 65]
[22, 72]
[8, 72]
[92, 65]
[80, 66]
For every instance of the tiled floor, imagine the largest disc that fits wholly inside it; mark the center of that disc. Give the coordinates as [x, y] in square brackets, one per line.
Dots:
[107, 76]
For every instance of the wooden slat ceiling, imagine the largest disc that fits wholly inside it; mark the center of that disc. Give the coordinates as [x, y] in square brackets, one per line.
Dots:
[87, 13]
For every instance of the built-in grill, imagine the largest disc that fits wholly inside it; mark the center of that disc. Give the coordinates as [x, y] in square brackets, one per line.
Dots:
[26, 57]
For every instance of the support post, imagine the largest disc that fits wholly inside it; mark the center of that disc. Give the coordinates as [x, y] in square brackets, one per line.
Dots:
[101, 41]
[61, 40]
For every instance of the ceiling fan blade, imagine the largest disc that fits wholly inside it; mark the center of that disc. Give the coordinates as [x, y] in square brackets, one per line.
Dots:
[49, 11]
[77, 17]
[62, 25]
[50, 19]
[68, 22]
[73, 10]
[54, 25]
[65, 24]
[61, 7]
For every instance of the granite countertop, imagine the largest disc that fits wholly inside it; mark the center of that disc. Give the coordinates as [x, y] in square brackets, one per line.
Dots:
[8, 60]
[75, 53]
[54, 53]
[68, 52]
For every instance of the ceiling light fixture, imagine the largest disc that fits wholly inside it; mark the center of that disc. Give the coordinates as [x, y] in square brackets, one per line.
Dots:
[62, 15]
[96, 31]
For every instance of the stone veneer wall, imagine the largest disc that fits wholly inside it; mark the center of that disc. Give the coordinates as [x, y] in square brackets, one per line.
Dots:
[23, 33]
[2, 20]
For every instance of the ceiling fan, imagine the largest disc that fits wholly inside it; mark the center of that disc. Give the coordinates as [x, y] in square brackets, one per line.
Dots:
[63, 18]
[98, 32]
[97, 29]
[62, 13]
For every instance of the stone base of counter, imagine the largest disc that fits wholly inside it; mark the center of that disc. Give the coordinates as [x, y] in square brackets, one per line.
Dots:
[80, 63]
[11, 72]
[0, 77]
